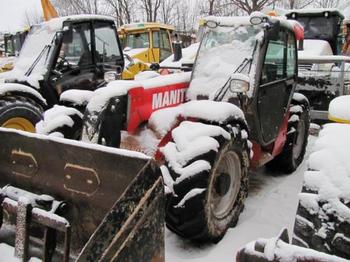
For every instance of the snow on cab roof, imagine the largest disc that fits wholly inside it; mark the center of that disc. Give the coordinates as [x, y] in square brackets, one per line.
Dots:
[245, 20]
[315, 11]
[57, 23]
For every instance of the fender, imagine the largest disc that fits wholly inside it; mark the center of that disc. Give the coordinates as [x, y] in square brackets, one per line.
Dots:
[22, 90]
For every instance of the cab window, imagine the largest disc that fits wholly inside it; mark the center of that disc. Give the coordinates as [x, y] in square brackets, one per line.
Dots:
[139, 40]
[165, 45]
[274, 64]
[291, 56]
[107, 48]
[76, 47]
[155, 39]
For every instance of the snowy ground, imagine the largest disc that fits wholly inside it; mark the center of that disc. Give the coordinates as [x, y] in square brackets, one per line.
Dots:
[271, 206]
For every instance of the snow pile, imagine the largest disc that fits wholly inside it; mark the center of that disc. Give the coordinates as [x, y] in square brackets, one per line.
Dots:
[56, 117]
[339, 108]
[219, 112]
[329, 174]
[277, 250]
[76, 96]
[188, 56]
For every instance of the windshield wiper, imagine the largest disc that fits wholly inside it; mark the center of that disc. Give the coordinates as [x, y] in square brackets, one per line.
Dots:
[36, 61]
[222, 91]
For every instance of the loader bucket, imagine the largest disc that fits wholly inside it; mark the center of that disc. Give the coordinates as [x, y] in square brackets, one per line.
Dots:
[75, 201]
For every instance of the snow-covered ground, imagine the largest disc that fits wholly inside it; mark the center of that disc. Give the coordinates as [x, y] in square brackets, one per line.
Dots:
[271, 206]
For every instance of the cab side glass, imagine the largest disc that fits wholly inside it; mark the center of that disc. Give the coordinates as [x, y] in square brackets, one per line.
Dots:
[107, 48]
[165, 45]
[273, 68]
[76, 47]
[291, 56]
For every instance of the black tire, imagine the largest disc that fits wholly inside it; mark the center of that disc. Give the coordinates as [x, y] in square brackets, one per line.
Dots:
[309, 224]
[67, 131]
[196, 218]
[295, 146]
[19, 112]
[71, 132]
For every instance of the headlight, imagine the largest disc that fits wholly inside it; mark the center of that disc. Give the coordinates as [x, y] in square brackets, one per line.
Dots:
[239, 86]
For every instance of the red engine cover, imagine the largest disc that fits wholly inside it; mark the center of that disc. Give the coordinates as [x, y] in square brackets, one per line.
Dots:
[143, 102]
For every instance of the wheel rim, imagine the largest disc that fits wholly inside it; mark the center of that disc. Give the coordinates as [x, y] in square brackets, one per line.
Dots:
[298, 146]
[226, 186]
[19, 123]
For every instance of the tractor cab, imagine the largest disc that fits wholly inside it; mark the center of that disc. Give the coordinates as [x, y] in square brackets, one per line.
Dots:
[68, 53]
[14, 42]
[320, 24]
[254, 61]
[148, 42]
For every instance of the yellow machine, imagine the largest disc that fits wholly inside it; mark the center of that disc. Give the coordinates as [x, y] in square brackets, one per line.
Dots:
[145, 43]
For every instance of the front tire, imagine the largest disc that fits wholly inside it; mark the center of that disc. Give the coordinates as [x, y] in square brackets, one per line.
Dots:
[206, 203]
[18, 112]
[61, 121]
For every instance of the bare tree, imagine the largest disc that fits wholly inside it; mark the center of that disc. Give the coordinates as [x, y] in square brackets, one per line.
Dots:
[71, 7]
[150, 8]
[253, 5]
[325, 3]
[295, 4]
[167, 8]
[122, 10]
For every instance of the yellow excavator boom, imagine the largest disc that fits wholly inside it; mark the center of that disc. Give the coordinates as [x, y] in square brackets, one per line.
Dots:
[48, 10]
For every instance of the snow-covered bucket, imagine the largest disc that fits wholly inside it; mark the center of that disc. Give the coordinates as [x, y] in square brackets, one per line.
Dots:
[339, 109]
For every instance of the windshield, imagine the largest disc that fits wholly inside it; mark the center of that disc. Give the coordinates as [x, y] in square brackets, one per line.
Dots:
[222, 52]
[38, 38]
[139, 40]
[318, 27]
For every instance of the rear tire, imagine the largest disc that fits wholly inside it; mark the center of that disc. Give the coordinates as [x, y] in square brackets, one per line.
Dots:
[295, 146]
[204, 205]
[19, 112]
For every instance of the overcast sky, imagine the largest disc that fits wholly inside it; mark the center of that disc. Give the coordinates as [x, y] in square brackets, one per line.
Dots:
[12, 13]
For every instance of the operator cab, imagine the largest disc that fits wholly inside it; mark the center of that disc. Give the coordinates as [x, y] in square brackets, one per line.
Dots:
[251, 62]
[320, 24]
[66, 53]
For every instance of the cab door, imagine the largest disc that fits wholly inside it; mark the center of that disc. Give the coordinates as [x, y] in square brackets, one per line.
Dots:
[165, 45]
[276, 84]
[156, 45]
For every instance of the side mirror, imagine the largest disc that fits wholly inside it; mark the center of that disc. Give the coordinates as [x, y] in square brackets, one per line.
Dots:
[58, 38]
[127, 49]
[239, 83]
[68, 35]
[177, 51]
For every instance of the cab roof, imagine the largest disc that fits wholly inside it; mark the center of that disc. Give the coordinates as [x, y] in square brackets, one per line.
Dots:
[57, 23]
[144, 26]
[314, 12]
